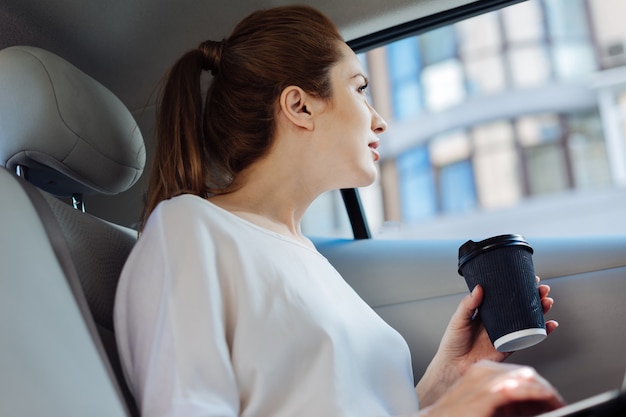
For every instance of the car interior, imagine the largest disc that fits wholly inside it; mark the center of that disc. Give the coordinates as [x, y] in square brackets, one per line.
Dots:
[78, 84]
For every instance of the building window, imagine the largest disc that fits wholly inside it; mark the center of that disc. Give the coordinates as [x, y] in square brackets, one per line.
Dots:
[438, 45]
[530, 66]
[443, 84]
[417, 191]
[568, 29]
[523, 23]
[546, 162]
[450, 155]
[499, 177]
[456, 187]
[587, 150]
[404, 73]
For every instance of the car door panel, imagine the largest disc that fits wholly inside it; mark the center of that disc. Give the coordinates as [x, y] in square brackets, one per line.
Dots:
[415, 287]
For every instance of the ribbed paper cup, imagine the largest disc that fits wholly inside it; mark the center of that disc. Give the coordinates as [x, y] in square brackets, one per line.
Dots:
[511, 309]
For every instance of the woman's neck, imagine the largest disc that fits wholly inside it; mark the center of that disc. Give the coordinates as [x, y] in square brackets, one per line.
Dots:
[273, 200]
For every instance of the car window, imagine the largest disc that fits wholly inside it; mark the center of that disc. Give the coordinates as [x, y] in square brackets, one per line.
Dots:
[513, 121]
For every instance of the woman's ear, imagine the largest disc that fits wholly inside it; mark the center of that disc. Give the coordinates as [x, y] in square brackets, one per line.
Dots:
[296, 105]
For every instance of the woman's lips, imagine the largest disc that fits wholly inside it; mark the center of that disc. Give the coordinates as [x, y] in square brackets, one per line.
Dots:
[373, 147]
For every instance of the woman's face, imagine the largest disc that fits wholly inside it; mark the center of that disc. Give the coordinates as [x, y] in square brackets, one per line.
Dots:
[349, 126]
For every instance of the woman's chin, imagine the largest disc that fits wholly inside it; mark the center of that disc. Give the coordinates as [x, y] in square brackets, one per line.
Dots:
[364, 180]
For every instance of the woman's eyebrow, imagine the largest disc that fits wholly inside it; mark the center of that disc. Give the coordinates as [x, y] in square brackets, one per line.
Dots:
[358, 74]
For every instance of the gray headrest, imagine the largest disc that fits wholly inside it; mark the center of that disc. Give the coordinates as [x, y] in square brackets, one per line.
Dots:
[72, 134]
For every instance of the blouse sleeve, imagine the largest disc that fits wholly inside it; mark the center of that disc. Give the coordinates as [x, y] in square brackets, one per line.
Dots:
[171, 321]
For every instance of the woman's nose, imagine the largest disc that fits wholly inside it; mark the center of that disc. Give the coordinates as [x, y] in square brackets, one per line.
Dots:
[378, 123]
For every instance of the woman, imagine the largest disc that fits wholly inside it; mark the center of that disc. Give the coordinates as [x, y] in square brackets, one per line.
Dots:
[224, 307]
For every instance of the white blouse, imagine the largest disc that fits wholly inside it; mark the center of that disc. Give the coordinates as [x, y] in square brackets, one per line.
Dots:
[216, 316]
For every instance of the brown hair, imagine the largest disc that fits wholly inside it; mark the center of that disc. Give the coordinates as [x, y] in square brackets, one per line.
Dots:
[200, 149]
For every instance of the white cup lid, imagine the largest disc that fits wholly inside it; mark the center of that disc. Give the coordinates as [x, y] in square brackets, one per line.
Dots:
[519, 340]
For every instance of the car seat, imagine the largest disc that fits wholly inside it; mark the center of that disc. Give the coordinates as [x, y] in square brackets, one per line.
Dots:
[62, 135]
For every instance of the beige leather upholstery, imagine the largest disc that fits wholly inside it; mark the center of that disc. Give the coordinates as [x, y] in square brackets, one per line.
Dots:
[60, 266]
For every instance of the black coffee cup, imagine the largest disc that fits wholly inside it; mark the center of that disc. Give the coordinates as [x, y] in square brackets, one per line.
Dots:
[511, 309]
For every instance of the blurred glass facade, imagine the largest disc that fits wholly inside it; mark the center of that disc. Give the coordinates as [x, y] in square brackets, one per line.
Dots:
[502, 108]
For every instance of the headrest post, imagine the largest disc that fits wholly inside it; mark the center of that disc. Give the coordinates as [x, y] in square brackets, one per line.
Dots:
[77, 202]
[21, 171]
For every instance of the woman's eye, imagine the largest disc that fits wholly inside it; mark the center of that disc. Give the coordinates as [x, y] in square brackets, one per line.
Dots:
[363, 88]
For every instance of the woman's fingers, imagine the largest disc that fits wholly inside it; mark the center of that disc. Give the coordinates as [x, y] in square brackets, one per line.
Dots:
[551, 326]
[490, 388]
[524, 390]
[546, 304]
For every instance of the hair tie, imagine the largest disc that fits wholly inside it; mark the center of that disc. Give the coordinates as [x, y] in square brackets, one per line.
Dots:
[212, 55]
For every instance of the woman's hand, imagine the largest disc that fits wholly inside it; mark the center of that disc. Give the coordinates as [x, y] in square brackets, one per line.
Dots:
[464, 343]
[496, 389]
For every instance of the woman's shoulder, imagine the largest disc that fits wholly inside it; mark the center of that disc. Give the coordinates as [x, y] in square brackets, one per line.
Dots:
[182, 207]
[184, 212]
[182, 202]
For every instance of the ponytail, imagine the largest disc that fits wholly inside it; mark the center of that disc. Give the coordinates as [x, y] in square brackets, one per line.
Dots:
[180, 159]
